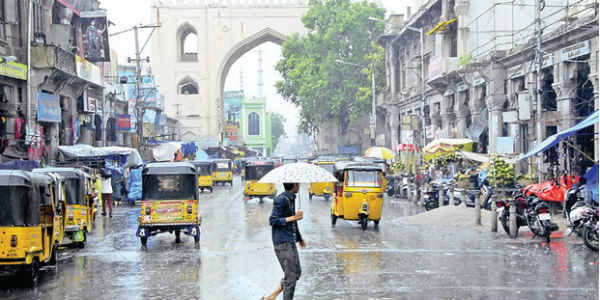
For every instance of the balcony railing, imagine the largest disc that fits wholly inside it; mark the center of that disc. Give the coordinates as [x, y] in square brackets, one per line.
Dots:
[53, 57]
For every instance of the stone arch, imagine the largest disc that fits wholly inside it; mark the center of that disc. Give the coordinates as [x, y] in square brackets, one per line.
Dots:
[187, 86]
[185, 38]
[237, 51]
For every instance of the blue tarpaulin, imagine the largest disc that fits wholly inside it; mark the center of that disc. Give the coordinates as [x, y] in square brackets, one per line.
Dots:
[134, 183]
[556, 138]
[201, 154]
[592, 182]
[27, 165]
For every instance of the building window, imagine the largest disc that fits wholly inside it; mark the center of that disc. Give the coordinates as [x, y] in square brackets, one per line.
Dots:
[548, 93]
[253, 124]
[39, 35]
[187, 43]
[187, 86]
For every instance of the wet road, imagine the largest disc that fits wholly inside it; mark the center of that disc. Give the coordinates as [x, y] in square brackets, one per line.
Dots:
[236, 260]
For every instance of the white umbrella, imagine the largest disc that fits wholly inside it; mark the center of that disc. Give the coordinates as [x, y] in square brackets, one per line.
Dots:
[298, 173]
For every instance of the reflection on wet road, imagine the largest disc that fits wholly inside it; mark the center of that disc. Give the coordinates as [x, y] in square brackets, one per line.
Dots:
[236, 260]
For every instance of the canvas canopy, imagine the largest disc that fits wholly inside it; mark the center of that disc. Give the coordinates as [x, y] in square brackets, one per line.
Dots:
[133, 157]
[556, 138]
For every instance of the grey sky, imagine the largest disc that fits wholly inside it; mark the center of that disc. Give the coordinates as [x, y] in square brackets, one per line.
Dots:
[127, 13]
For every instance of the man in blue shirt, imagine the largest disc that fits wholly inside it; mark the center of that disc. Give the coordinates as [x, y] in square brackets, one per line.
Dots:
[285, 235]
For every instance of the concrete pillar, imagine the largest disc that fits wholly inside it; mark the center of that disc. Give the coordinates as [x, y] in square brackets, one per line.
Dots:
[461, 8]
[393, 123]
[566, 92]
[495, 100]
[461, 110]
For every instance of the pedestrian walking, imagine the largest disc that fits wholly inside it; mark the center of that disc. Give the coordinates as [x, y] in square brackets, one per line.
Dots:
[106, 191]
[285, 235]
[117, 186]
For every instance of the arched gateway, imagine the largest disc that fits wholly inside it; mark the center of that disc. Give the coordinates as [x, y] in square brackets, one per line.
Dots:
[223, 31]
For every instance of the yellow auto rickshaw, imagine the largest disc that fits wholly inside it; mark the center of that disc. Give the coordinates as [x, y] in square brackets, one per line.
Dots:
[322, 189]
[79, 203]
[204, 169]
[359, 192]
[254, 171]
[169, 201]
[30, 223]
[222, 171]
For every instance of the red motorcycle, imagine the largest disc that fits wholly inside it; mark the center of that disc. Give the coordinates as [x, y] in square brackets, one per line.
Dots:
[553, 190]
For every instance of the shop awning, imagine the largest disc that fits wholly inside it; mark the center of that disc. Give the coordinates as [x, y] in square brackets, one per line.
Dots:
[556, 138]
[441, 26]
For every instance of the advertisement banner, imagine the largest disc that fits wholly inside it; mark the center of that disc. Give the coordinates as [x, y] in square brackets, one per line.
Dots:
[123, 122]
[233, 109]
[48, 108]
[14, 70]
[87, 70]
[95, 35]
[89, 103]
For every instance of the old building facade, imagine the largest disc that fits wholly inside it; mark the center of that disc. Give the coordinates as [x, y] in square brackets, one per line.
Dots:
[58, 85]
[479, 74]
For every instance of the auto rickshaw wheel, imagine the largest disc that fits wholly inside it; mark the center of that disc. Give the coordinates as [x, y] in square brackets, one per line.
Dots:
[144, 240]
[54, 256]
[260, 199]
[376, 223]
[363, 222]
[196, 240]
[333, 220]
[327, 197]
[177, 236]
[30, 274]
[310, 196]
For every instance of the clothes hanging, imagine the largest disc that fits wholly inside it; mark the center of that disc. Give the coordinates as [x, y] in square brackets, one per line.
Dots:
[98, 125]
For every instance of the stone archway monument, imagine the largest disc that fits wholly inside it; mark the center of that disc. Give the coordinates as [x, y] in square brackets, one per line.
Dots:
[199, 41]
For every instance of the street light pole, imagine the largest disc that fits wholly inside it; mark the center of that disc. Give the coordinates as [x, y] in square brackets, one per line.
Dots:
[373, 107]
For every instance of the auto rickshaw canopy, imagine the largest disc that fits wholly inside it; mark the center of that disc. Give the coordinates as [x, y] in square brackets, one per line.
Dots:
[203, 167]
[75, 182]
[21, 197]
[256, 169]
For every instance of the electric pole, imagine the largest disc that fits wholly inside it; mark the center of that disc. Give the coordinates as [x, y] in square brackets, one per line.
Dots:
[539, 58]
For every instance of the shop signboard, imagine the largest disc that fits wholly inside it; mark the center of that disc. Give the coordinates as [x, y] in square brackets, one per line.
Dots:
[574, 51]
[95, 36]
[505, 145]
[89, 103]
[123, 122]
[87, 70]
[48, 109]
[14, 70]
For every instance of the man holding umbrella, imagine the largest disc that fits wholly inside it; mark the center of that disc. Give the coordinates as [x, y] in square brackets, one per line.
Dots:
[284, 220]
[285, 234]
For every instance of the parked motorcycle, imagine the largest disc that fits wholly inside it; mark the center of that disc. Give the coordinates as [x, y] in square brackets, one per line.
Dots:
[437, 189]
[485, 194]
[539, 219]
[391, 186]
[590, 231]
[503, 208]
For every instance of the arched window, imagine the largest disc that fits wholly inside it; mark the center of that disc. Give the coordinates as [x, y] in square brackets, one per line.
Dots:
[187, 86]
[253, 124]
[187, 43]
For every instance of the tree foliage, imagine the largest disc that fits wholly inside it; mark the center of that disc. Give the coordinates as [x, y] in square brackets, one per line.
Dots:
[277, 129]
[312, 76]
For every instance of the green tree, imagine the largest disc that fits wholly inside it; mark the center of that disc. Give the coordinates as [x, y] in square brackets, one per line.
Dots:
[312, 77]
[277, 129]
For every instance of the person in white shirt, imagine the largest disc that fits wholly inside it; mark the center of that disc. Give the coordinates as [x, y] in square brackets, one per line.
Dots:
[106, 191]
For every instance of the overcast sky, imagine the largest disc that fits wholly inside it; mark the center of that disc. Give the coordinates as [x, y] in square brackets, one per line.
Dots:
[127, 13]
